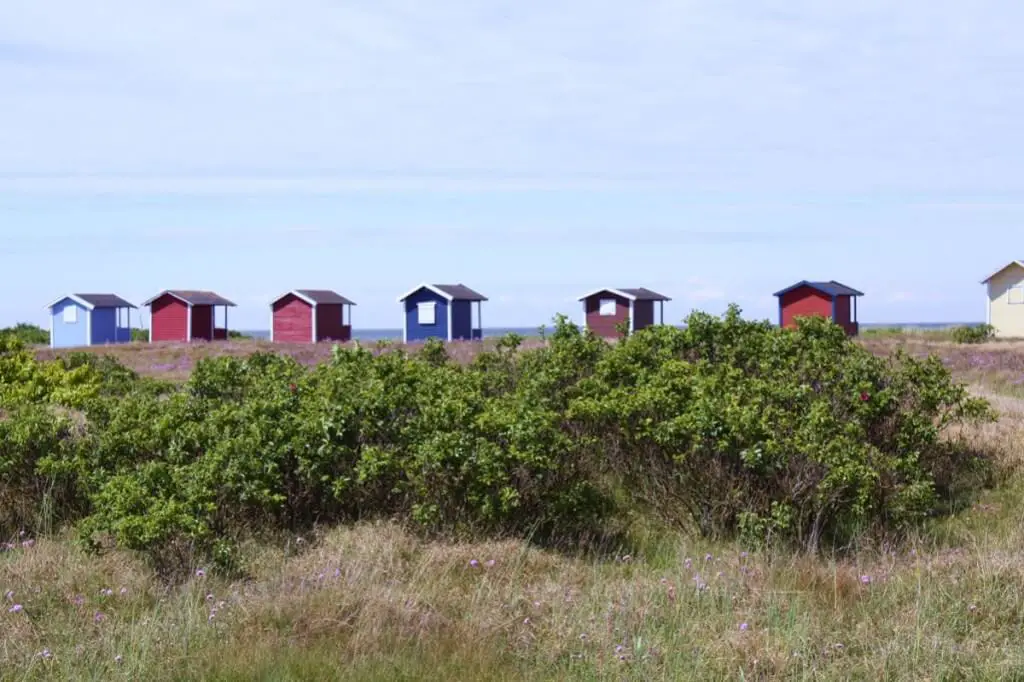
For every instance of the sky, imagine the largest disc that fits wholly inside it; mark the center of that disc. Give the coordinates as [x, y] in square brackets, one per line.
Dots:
[713, 150]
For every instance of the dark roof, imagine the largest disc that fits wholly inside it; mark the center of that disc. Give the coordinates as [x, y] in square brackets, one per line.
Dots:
[643, 294]
[831, 288]
[460, 292]
[635, 293]
[193, 297]
[325, 296]
[105, 301]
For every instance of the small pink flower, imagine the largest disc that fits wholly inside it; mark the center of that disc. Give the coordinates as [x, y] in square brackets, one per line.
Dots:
[864, 397]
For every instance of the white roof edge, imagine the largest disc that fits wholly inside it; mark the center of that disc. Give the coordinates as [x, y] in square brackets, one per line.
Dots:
[1013, 262]
[439, 292]
[167, 292]
[296, 294]
[82, 302]
[623, 294]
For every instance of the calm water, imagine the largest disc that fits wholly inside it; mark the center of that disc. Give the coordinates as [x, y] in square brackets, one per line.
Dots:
[396, 334]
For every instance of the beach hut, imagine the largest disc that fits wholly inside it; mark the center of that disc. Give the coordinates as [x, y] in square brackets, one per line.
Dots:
[825, 299]
[605, 309]
[187, 315]
[1004, 300]
[89, 320]
[309, 316]
[441, 311]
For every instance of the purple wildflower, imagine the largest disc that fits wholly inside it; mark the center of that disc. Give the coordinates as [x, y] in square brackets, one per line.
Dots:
[28, 543]
[688, 563]
[107, 592]
[124, 591]
[490, 563]
[474, 563]
[17, 608]
[209, 597]
[118, 659]
[99, 617]
[45, 654]
[9, 595]
[744, 627]
[78, 600]
[865, 579]
[708, 557]
[200, 573]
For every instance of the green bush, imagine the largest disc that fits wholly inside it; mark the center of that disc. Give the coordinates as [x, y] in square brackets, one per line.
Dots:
[736, 427]
[972, 334]
[29, 334]
[797, 435]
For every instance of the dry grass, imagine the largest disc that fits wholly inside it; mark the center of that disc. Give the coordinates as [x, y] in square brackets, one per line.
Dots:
[174, 361]
[373, 602]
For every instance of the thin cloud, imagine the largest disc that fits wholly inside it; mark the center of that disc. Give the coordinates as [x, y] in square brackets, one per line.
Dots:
[697, 95]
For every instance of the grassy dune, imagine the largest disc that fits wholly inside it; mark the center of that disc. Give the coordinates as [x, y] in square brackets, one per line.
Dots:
[373, 602]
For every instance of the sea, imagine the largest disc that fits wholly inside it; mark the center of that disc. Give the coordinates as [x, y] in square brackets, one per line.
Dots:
[396, 334]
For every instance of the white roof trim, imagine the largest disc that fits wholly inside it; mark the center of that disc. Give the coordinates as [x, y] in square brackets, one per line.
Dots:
[82, 302]
[167, 293]
[1013, 262]
[296, 294]
[623, 294]
[431, 287]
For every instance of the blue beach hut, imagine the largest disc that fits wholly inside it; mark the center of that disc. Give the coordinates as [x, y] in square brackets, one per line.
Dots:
[441, 311]
[89, 320]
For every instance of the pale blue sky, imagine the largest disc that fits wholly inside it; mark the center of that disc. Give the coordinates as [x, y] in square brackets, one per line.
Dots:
[714, 150]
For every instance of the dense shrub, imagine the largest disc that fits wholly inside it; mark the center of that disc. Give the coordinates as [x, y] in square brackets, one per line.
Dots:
[29, 334]
[800, 435]
[978, 333]
[738, 427]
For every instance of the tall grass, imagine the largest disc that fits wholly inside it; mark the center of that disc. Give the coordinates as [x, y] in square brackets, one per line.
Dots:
[373, 602]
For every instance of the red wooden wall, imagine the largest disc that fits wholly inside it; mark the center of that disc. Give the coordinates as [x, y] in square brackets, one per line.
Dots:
[168, 319]
[293, 320]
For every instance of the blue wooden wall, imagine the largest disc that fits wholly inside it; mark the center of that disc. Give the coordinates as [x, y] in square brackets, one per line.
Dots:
[418, 332]
[69, 334]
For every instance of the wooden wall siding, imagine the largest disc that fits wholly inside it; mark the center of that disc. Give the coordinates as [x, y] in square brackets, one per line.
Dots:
[804, 302]
[293, 320]
[169, 319]
[604, 326]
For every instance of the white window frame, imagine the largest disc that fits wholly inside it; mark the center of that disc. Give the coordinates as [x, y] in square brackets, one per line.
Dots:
[70, 314]
[1015, 294]
[426, 313]
[603, 307]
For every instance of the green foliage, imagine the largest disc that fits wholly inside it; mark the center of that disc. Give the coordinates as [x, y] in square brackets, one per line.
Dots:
[979, 333]
[29, 334]
[738, 427]
[799, 434]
